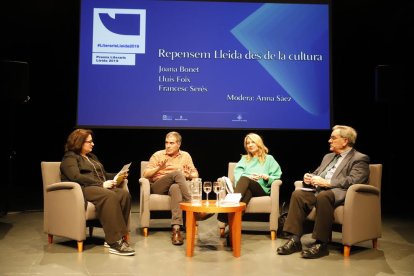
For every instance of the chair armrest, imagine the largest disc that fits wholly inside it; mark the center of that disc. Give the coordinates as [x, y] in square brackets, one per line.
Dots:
[144, 198]
[274, 197]
[274, 193]
[124, 185]
[61, 186]
[71, 189]
[64, 210]
[298, 184]
[276, 183]
[357, 191]
[145, 189]
[362, 214]
[363, 188]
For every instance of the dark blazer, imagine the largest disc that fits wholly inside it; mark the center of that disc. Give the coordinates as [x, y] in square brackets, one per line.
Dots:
[353, 169]
[77, 169]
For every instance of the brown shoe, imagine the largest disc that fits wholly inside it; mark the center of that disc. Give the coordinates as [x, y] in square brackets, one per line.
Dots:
[203, 216]
[176, 237]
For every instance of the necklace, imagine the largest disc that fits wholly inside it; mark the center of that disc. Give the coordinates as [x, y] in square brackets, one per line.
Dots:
[96, 171]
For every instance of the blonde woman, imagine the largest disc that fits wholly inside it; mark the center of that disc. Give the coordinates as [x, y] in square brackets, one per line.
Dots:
[255, 171]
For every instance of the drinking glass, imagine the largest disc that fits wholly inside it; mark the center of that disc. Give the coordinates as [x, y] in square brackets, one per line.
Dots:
[222, 193]
[207, 188]
[217, 189]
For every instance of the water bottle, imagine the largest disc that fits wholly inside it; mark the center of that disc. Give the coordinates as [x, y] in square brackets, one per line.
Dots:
[222, 193]
[196, 191]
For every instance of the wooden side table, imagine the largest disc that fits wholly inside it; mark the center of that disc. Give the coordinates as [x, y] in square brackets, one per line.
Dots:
[234, 214]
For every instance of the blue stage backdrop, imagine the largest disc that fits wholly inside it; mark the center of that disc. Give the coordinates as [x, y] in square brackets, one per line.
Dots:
[199, 64]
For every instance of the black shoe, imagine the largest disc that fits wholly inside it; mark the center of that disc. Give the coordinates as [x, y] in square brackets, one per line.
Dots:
[121, 247]
[227, 237]
[222, 217]
[291, 246]
[318, 250]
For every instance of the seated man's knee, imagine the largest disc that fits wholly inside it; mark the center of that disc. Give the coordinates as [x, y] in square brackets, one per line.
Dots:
[175, 193]
[178, 176]
[174, 188]
[297, 193]
[325, 195]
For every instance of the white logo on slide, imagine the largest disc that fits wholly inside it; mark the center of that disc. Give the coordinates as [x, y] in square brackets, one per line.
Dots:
[119, 31]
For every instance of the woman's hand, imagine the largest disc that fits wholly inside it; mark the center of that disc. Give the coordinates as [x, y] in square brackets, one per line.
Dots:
[109, 184]
[265, 177]
[256, 176]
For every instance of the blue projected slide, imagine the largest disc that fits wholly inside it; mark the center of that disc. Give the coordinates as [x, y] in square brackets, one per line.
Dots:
[198, 64]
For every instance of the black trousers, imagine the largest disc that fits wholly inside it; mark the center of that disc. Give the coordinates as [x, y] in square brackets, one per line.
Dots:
[301, 204]
[248, 188]
[113, 207]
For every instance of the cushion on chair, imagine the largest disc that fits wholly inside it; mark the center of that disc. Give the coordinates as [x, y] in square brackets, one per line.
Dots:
[260, 204]
[338, 214]
[159, 202]
[90, 211]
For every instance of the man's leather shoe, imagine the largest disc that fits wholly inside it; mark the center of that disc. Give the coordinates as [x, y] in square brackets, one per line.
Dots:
[291, 246]
[203, 216]
[316, 251]
[176, 237]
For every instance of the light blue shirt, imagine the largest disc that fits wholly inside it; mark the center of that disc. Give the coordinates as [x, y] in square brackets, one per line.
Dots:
[332, 170]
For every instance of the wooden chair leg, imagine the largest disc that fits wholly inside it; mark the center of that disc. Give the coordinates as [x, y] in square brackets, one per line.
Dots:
[90, 231]
[145, 231]
[80, 246]
[347, 250]
[50, 238]
[273, 235]
[375, 243]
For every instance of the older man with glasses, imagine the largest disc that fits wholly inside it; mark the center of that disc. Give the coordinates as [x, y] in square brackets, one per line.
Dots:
[325, 189]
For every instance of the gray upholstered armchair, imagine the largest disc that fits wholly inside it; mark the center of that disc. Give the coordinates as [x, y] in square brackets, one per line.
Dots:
[64, 207]
[359, 219]
[262, 204]
[150, 202]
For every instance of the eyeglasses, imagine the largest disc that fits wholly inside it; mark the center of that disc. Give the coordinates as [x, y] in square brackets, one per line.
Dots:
[337, 137]
[89, 142]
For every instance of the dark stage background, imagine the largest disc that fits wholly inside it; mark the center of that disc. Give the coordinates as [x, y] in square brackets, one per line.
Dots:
[370, 97]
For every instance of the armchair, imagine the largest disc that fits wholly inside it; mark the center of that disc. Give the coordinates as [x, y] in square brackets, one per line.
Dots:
[64, 207]
[153, 202]
[150, 202]
[263, 204]
[359, 218]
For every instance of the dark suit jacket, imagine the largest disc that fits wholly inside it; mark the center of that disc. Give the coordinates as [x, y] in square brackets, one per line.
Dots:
[354, 169]
[77, 169]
